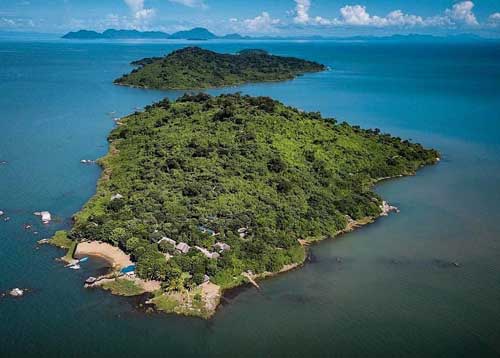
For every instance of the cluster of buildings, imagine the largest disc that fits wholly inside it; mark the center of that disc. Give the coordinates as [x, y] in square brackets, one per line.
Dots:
[184, 248]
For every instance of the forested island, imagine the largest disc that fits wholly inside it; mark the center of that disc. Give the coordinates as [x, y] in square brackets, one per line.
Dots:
[193, 67]
[112, 34]
[200, 33]
[206, 193]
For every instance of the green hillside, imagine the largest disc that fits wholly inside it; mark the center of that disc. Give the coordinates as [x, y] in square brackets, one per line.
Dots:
[193, 67]
[254, 172]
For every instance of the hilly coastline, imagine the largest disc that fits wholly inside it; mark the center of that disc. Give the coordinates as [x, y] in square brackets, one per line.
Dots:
[205, 193]
[200, 33]
[110, 34]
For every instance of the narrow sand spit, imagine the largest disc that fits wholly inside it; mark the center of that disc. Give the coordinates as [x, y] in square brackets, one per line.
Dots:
[113, 254]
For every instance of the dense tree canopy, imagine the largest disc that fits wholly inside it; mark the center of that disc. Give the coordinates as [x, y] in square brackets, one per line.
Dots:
[235, 164]
[193, 67]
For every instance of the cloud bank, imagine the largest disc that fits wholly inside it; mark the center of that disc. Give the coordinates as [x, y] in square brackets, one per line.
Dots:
[460, 14]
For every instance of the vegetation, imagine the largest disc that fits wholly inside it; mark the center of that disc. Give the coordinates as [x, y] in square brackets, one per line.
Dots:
[165, 303]
[60, 239]
[193, 67]
[123, 287]
[71, 252]
[111, 34]
[260, 174]
[189, 303]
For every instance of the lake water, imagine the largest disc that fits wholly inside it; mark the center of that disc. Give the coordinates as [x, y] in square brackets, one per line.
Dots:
[388, 289]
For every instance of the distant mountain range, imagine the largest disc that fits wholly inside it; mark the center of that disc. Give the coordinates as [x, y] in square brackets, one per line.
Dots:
[197, 33]
[200, 33]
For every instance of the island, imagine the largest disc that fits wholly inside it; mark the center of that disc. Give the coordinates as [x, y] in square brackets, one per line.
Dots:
[197, 68]
[203, 194]
[200, 33]
[112, 34]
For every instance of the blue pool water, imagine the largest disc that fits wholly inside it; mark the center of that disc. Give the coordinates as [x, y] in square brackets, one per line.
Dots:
[388, 289]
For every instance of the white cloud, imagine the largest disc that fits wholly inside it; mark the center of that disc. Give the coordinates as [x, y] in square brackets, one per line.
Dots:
[16, 23]
[354, 15]
[135, 5]
[322, 21]
[462, 12]
[302, 11]
[8, 22]
[139, 11]
[144, 14]
[494, 19]
[261, 23]
[398, 18]
[357, 15]
[191, 3]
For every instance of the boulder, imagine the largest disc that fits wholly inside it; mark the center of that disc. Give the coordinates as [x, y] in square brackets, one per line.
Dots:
[45, 216]
[16, 292]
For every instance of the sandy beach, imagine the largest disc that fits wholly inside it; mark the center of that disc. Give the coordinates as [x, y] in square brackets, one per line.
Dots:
[113, 254]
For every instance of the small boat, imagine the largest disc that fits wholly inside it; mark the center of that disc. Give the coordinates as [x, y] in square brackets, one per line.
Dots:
[75, 267]
[83, 259]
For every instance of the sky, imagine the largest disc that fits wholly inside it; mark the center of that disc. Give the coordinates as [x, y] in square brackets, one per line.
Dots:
[257, 17]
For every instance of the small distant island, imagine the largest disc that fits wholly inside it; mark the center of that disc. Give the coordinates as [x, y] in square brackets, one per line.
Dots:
[193, 67]
[208, 193]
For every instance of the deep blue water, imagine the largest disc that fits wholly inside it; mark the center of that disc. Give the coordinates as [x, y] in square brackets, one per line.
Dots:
[392, 293]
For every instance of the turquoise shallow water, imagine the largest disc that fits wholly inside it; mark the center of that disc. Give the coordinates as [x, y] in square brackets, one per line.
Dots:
[387, 289]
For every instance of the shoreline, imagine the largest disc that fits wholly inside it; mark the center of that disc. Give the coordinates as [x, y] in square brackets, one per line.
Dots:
[204, 300]
[115, 256]
[239, 84]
